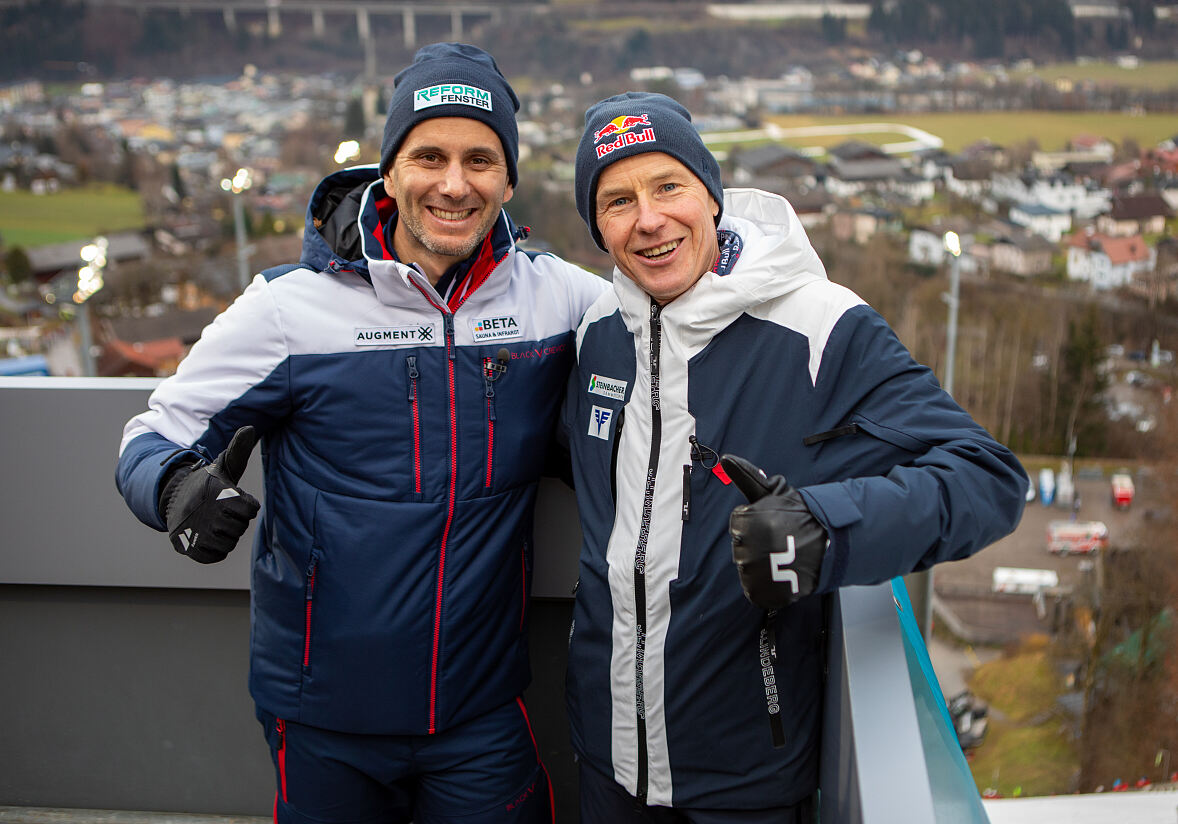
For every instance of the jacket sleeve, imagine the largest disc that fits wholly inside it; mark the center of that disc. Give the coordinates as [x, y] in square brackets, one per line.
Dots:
[957, 489]
[234, 375]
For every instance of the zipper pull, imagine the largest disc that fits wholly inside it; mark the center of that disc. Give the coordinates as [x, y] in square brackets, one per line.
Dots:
[411, 362]
[448, 326]
[489, 377]
[686, 492]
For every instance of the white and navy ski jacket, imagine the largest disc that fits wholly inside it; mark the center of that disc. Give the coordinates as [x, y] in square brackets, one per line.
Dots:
[402, 438]
[678, 687]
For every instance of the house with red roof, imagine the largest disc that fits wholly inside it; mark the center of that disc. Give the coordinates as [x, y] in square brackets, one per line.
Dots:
[1105, 261]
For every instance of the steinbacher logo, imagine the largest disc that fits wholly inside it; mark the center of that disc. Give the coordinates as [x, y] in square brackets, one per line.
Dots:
[607, 387]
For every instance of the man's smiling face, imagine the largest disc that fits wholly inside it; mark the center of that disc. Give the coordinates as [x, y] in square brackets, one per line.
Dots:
[449, 178]
[658, 223]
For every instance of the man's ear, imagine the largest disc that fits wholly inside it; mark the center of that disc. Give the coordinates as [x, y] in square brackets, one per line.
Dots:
[508, 192]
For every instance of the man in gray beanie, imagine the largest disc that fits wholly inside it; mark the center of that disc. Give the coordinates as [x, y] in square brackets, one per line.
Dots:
[696, 656]
[404, 379]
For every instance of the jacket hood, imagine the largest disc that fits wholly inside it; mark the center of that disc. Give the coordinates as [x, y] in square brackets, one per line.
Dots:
[332, 231]
[777, 258]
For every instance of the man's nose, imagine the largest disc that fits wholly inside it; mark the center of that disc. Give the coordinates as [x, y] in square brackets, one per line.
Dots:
[454, 181]
[650, 218]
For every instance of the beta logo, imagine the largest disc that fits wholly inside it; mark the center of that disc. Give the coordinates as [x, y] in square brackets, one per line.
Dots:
[600, 419]
[394, 335]
[607, 387]
[505, 327]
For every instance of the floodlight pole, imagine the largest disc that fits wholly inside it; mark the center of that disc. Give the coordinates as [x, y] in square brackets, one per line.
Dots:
[243, 254]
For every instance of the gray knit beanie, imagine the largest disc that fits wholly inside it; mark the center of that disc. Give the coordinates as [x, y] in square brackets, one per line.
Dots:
[452, 80]
[633, 123]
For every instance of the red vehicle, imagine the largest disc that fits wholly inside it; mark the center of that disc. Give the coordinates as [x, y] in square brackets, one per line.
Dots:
[1122, 490]
[1076, 537]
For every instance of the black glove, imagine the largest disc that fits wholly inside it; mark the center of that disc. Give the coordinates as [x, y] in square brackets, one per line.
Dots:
[777, 544]
[205, 510]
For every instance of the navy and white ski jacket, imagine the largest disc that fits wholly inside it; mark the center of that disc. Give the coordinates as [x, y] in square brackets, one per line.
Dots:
[402, 440]
[678, 686]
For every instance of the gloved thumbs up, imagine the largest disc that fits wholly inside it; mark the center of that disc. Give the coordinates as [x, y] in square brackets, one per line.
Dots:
[777, 544]
[751, 479]
[230, 464]
[204, 508]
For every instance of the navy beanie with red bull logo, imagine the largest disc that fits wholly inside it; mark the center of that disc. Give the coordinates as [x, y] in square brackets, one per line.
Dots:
[634, 123]
[452, 80]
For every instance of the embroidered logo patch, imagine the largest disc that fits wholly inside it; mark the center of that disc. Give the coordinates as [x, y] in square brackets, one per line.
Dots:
[607, 387]
[452, 93]
[599, 421]
[505, 327]
[394, 335]
[621, 129]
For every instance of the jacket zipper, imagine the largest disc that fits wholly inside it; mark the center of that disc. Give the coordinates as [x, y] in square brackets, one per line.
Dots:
[280, 726]
[708, 459]
[493, 369]
[490, 392]
[448, 325]
[613, 457]
[411, 363]
[656, 433]
[309, 603]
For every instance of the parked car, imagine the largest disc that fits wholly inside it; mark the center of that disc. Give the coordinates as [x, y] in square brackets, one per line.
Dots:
[1122, 490]
[1023, 581]
[1046, 486]
[970, 720]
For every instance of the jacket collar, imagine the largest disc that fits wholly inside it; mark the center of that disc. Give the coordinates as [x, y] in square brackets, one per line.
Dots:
[396, 282]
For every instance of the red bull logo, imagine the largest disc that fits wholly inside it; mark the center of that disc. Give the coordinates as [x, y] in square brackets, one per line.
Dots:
[621, 123]
[622, 127]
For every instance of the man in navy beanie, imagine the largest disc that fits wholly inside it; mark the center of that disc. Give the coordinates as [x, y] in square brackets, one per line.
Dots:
[404, 380]
[696, 656]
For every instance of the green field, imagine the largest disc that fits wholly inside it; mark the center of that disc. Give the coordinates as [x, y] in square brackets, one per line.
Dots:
[73, 214]
[958, 129]
[1162, 74]
[1026, 751]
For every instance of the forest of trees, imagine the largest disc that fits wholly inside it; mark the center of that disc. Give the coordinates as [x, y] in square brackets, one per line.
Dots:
[985, 26]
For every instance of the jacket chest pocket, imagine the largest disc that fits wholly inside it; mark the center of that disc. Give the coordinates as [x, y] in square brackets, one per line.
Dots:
[863, 447]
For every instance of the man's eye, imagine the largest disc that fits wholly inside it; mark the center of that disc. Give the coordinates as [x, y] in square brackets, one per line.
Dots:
[429, 157]
[619, 201]
[669, 187]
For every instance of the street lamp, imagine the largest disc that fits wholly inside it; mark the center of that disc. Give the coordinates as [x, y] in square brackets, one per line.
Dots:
[348, 150]
[93, 255]
[240, 181]
[953, 247]
[920, 584]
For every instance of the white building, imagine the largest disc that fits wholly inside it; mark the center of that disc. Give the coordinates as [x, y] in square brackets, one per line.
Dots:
[1108, 262]
[1060, 192]
[1042, 220]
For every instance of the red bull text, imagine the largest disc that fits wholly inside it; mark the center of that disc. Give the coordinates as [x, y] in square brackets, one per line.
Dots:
[626, 139]
[621, 126]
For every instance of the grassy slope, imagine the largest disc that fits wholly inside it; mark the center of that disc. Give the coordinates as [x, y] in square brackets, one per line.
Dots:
[959, 129]
[75, 214]
[1026, 745]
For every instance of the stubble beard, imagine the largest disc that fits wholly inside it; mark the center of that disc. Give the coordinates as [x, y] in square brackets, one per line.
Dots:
[460, 248]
